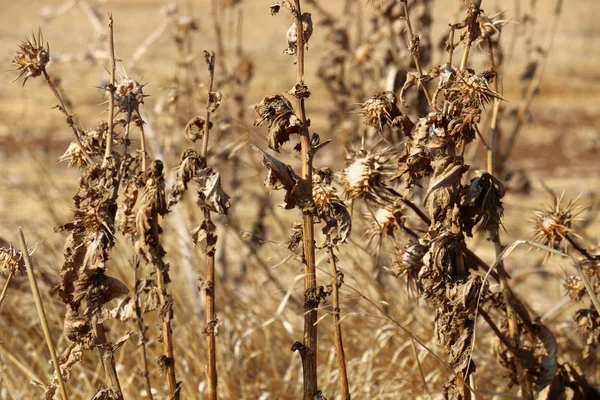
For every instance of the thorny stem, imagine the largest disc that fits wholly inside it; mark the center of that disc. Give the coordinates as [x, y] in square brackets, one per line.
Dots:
[524, 381]
[336, 282]
[168, 360]
[415, 53]
[111, 90]
[308, 234]
[63, 109]
[42, 315]
[211, 241]
[5, 288]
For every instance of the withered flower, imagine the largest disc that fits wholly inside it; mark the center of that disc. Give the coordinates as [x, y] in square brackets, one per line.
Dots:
[409, 262]
[129, 95]
[385, 222]
[554, 224]
[11, 260]
[380, 110]
[332, 210]
[292, 34]
[282, 121]
[31, 58]
[365, 173]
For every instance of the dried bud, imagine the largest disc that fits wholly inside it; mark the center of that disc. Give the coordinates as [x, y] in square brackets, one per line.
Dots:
[551, 226]
[365, 173]
[31, 58]
[129, 95]
[292, 34]
[380, 110]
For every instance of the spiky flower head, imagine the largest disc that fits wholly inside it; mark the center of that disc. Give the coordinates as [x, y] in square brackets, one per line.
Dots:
[380, 110]
[386, 221]
[409, 263]
[365, 173]
[11, 260]
[129, 95]
[31, 57]
[554, 224]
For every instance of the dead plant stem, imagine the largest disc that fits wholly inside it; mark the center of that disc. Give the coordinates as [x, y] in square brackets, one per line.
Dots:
[42, 315]
[11, 274]
[310, 278]
[336, 282]
[111, 90]
[211, 241]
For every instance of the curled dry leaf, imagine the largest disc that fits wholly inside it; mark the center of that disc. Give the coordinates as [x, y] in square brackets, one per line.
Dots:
[278, 111]
[190, 166]
[333, 211]
[292, 34]
[211, 196]
[214, 100]
[194, 129]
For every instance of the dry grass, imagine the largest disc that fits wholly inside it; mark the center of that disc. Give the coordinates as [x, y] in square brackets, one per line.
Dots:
[401, 250]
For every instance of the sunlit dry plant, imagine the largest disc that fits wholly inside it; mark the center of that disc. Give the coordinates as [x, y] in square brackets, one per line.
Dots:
[366, 173]
[32, 57]
[553, 225]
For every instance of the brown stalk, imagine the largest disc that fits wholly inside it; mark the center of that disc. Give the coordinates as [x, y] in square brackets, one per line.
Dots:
[111, 90]
[42, 315]
[336, 282]
[11, 274]
[524, 381]
[167, 330]
[141, 329]
[415, 53]
[308, 233]
[211, 241]
[63, 109]
[108, 359]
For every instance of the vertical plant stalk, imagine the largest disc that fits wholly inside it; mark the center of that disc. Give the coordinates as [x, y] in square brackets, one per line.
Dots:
[211, 242]
[308, 227]
[414, 49]
[524, 381]
[336, 282]
[42, 315]
[11, 274]
[167, 330]
[111, 90]
[142, 329]
[108, 359]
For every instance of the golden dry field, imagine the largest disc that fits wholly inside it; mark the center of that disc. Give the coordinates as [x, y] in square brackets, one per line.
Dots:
[444, 245]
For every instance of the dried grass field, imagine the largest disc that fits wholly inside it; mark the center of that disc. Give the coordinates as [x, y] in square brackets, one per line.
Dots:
[243, 199]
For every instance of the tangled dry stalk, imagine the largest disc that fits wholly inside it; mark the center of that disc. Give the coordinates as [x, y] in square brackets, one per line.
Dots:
[432, 320]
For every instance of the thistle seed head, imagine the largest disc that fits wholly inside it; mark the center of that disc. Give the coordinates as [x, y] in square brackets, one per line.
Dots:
[554, 224]
[32, 57]
[129, 95]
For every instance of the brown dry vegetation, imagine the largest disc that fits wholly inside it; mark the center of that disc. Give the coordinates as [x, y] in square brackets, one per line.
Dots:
[405, 294]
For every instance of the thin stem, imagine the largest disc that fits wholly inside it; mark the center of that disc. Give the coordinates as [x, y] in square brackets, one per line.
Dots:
[336, 282]
[108, 359]
[415, 53]
[211, 241]
[308, 234]
[167, 331]
[5, 288]
[63, 109]
[42, 315]
[111, 90]
[141, 329]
